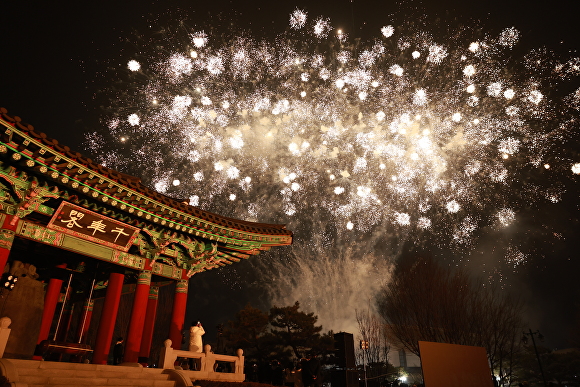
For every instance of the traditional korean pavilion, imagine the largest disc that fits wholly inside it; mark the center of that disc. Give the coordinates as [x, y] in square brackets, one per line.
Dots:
[64, 218]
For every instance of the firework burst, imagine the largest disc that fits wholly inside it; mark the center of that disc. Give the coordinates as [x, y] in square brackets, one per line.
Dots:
[358, 147]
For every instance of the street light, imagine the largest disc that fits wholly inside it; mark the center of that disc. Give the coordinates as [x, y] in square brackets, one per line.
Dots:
[364, 345]
[525, 340]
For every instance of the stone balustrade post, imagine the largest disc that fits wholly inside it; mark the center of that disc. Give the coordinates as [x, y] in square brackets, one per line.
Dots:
[239, 365]
[4, 333]
[168, 357]
[208, 364]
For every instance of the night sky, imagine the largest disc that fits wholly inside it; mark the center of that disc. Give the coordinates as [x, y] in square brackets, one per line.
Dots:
[57, 59]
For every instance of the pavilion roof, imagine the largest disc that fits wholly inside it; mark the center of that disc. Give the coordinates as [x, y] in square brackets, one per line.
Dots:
[54, 161]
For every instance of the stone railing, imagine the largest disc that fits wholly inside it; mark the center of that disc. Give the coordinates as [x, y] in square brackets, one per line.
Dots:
[4, 333]
[207, 363]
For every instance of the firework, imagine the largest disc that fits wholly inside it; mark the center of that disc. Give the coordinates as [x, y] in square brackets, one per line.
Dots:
[358, 147]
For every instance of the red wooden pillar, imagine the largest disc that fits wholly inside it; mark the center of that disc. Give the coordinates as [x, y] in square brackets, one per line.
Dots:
[50, 301]
[7, 232]
[178, 313]
[135, 332]
[85, 322]
[108, 318]
[149, 325]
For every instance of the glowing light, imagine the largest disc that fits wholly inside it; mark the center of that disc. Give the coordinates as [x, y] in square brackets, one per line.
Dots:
[424, 223]
[436, 54]
[535, 97]
[363, 191]
[469, 71]
[233, 172]
[199, 39]
[388, 31]
[509, 146]
[237, 141]
[509, 37]
[494, 89]
[176, 182]
[576, 168]
[474, 47]
[322, 27]
[349, 225]
[452, 206]
[403, 219]
[298, 19]
[133, 120]
[133, 65]
[509, 94]
[194, 200]
[506, 216]
[512, 110]
[420, 97]
[515, 257]
[396, 70]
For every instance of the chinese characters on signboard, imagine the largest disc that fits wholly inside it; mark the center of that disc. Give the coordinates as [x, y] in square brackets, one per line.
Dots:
[80, 222]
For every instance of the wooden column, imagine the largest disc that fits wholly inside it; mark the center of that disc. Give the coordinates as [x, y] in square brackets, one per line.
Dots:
[135, 332]
[149, 326]
[178, 313]
[108, 318]
[50, 301]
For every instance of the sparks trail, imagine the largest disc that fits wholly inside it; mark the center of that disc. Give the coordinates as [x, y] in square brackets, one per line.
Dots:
[365, 146]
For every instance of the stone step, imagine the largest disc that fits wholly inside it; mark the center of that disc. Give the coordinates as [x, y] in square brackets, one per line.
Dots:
[37, 378]
[79, 373]
[53, 374]
[71, 381]
[21, 363]
[68, 385]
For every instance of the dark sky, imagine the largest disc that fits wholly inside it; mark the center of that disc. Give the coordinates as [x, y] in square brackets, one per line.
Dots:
[55, 54]
[56, 58]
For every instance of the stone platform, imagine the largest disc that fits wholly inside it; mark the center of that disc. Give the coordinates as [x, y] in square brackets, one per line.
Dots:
[34, 373]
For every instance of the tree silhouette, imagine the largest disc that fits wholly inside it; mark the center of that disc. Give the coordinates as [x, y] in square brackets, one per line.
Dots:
[295, 329]
[270, 336]
[249, 331]
[430, 302]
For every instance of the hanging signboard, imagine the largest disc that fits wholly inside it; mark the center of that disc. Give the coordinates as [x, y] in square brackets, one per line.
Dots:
[82, 223]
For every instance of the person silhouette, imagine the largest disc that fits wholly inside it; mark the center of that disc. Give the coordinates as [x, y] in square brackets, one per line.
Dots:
[195, 342]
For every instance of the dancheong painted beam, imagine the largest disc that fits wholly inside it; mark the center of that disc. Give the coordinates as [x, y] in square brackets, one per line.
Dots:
[64, 199]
